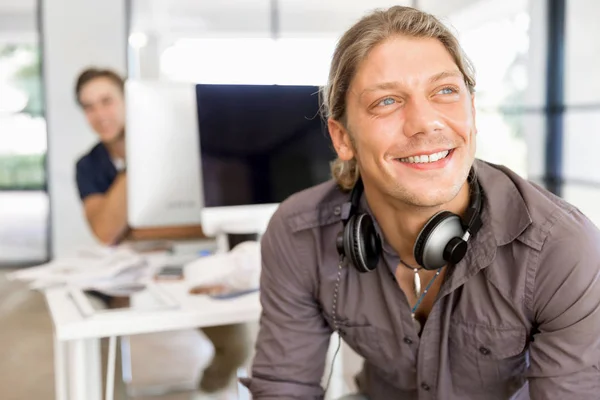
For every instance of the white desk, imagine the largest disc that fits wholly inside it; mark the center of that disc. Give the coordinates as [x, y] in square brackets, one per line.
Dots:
[77, 338]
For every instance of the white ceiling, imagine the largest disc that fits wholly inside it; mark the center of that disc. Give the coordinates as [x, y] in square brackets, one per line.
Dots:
[252, 17]
[21, 6]
[170, 19]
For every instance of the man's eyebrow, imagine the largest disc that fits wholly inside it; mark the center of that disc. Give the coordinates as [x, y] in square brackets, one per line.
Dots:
[380, 86]
[445, 74]
[394, 85]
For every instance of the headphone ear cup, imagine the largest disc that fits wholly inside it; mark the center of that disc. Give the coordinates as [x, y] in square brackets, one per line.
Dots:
[432, 241]
[363, 245]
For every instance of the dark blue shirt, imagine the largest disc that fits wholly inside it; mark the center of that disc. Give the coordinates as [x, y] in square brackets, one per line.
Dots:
[95, 172]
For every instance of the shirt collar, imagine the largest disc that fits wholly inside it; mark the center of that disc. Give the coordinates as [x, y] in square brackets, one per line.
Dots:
[508, 214]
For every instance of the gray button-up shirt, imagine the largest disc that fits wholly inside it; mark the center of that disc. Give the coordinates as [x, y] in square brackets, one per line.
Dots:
[518, 317]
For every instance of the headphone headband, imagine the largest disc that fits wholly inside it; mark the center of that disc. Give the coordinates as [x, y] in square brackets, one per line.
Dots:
[473, 214]
[357, 192]
[350, 208]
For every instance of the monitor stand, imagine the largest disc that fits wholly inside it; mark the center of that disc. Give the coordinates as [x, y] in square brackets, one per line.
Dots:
[230, 236]
[227, 241]
[233, 239]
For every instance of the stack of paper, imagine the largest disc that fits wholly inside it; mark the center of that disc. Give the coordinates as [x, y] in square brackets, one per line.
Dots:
[115, 272]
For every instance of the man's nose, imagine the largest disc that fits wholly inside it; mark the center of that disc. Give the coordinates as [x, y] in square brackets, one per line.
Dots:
[102, 112]
[421, 117]
[93, 114]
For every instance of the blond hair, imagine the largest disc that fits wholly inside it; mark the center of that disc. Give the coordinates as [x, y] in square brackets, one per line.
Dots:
[355, 45]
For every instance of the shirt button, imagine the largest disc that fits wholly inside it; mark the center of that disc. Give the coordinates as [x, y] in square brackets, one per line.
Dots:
[337, 210]
[484, 350]
[425, 387]
[408, 340]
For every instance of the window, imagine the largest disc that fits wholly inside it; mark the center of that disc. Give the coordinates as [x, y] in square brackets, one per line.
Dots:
[496, 36]
[24, 207]
[582, 108]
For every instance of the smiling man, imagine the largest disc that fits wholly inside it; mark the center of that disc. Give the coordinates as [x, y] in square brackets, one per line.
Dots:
[453, 278]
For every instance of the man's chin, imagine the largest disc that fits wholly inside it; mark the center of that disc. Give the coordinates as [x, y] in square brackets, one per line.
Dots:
[110, 138]
[428, 195]
[432, 201]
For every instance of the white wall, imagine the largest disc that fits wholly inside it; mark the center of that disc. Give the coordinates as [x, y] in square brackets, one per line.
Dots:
[75, 35]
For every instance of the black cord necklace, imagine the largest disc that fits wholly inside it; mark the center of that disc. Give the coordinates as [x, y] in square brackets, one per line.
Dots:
[417, 278]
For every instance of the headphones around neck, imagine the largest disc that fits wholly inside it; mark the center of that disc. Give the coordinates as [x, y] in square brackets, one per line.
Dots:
[442, 240]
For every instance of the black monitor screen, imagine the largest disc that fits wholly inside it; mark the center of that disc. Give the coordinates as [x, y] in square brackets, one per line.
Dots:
[260, 143]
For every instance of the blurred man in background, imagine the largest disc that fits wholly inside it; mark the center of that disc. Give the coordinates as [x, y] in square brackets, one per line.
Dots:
[102, 184]
[101, 177]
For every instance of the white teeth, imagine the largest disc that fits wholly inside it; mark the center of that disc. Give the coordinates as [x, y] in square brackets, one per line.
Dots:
[425, 159]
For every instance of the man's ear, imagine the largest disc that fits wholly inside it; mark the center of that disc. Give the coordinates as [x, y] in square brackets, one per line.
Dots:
[341, 140]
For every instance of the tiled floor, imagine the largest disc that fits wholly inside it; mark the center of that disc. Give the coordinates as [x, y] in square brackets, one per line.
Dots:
[26, 369]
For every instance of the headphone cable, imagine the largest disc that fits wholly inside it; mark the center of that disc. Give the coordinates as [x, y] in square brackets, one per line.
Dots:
[336, 326]
[333, 363]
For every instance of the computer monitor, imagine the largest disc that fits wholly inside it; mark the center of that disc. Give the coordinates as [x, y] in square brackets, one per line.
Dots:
[259, 145]
[164, 182]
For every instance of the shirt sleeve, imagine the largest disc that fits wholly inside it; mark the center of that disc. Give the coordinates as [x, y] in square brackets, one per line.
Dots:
[565, 351]
[294, 337]
[86, 182]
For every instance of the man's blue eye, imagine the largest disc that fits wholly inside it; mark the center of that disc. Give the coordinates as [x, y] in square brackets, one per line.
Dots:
[447, 91]
[387, 102]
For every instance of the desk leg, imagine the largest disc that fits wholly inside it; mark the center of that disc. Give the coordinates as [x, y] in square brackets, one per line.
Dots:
[110, 368]
[85, 381]
[94, 368]
[126, 360]
[60, 370]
